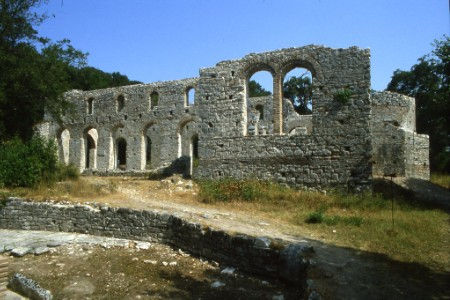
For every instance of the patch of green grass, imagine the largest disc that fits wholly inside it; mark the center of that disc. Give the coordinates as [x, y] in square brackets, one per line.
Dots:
[441, 179]
[228, 189]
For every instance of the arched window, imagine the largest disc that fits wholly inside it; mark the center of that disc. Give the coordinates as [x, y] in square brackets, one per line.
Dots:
[259, 90]
[64, 146]
[148, 152]
[121, 153]
[154, 99]
[90, 106]
[297, 87]
[120, 103]
[195, 146]
[91, 138]
[189, 97]
[260, 84]
[194, 153]
[260, 109]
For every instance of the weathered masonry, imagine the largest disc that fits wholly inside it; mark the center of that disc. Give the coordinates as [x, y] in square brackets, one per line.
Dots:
[225, 133]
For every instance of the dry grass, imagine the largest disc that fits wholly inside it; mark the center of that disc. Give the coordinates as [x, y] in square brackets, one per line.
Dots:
[441, 179]
[364, 222]
[82, 188]
[414, 234]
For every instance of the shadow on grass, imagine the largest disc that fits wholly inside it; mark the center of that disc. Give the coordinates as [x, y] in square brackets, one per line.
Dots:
[416, 192]
[346, 273]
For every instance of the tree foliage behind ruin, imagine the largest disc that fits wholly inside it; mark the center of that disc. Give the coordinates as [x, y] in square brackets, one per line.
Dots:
[35, 72]
[428, 81]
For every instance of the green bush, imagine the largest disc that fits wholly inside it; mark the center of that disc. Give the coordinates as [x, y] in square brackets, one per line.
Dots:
[66, 172]
[28, 163]
[315, 217]
[343, 96]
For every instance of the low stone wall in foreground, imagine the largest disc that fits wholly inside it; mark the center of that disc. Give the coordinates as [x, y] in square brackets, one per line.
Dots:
[258, 255]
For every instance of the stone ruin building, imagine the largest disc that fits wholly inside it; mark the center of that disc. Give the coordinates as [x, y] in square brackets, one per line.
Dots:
[225, 133]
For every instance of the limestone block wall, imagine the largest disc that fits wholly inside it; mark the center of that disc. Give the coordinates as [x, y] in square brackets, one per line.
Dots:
[338, 147]
[105, 123]
[397, 149]
[417, 162]
[121, 130]
[258, 255]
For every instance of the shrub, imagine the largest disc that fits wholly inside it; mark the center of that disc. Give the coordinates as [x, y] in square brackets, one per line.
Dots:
[28, 163]
[66, 172]
[343, 96]
[315, 217]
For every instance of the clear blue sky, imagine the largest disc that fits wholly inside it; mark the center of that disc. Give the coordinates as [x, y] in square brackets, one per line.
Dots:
[151, 40]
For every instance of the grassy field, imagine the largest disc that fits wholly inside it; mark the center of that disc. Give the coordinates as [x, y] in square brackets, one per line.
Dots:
[388, 223]
[395, 226]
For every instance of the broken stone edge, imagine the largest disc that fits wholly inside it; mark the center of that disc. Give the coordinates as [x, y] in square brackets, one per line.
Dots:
[28, 287]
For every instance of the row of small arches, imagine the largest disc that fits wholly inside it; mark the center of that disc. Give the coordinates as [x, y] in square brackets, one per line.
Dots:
[119, 155]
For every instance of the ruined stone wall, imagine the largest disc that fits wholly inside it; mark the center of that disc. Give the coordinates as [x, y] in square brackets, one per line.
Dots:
[224, 127]
[258, 255]
[138, 119]
[335, 152]
[397, 149]
[262, 123]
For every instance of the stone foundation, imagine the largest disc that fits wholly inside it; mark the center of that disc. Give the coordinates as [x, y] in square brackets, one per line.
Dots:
[258, 255]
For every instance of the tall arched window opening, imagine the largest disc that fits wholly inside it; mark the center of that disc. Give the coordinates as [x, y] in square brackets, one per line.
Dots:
[154, 99]
[189, 98]
[148, 152]
[297, 87]
[90, 138]
[260, 109]
[259, 96]
[121, 153]
[90, 106]
[120, 103]
[64, 146]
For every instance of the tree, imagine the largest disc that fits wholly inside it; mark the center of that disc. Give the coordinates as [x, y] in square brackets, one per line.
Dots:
[428, 82]
[299, 91]
[89, 78]
[31, 81]
[34, 72]
[256, 90]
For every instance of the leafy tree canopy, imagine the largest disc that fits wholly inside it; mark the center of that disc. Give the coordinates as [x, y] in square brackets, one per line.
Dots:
[34, 72]
[89, 78]
[299, 91]
[256, 90]
[428, 82]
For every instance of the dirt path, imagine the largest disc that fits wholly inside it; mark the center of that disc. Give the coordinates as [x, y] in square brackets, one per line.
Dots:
[80, 266]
